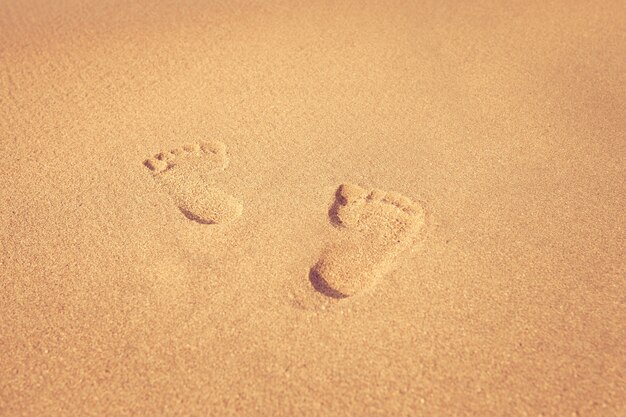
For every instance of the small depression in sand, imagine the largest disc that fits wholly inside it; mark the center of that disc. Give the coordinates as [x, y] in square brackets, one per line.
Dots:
[185, 174]
[376, 228]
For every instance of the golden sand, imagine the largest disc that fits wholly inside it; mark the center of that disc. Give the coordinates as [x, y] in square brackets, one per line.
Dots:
[313, 208]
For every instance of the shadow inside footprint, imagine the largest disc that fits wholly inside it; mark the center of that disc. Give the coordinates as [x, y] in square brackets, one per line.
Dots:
[322, 286]
[333, 211]
[194, 217]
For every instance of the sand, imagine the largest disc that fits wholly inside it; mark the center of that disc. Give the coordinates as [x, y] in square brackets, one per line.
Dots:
[406, 208]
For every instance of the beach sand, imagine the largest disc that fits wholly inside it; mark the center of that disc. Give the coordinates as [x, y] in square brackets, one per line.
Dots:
[312, 208]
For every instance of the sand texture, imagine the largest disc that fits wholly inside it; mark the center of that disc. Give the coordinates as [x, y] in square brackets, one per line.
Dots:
[280, 208]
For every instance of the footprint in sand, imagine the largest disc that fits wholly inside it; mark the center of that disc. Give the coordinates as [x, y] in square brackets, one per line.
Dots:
[186, 174]
[377, 227]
